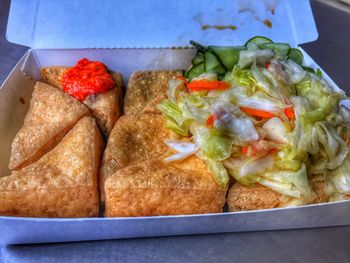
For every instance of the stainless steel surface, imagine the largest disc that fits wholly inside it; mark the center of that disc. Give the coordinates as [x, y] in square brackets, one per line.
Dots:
[309, 245]
[343, 5]
[312, 245]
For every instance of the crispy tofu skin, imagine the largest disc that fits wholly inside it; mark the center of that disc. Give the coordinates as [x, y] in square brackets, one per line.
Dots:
[51, 115]
[105, 107]
[63, 183]
[151, 106]
[241, 198]
[144, 86]
[53, 75]
[155, 188]
[135, 138]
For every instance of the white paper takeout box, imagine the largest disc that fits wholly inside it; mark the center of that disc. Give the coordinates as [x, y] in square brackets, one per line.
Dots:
[141, 35]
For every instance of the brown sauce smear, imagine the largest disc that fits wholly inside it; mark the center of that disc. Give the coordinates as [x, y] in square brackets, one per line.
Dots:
[218, 27]
[268, 23]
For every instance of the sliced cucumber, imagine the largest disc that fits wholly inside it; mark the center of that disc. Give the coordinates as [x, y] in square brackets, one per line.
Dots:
[198, 46]
[228, 56]
[259, 40]
[311, 70]
[296, 55]
[252, 46]
[198, 58]
[280, 49]
[221, 77]
[212, 64]
[195, 71]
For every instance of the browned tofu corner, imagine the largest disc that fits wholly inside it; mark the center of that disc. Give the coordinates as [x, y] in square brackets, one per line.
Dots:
[144, 86]
[51, 115]
[105, 107]
[134, 139]
[63, 183]
[242, 198]
[154, 188]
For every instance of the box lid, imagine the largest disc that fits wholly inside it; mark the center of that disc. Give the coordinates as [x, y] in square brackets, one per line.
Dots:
[157, 23]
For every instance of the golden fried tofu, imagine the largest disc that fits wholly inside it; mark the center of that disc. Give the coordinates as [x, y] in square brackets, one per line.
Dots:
[241, 198]
[53, 75]
[105, 107]
[134, 138]
[151, 106]
[144, 86]
[52, 113]
[63, 183]
[154, 188]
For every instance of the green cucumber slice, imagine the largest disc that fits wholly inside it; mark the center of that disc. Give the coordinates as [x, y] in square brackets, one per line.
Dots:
[221, 77]
[198, 46]
[308, 69]
[296, 55]
[259, 40]
[198, 58]
[195, 71]
[228, 56]
[280, 49]
[252, 46]
[212, 64]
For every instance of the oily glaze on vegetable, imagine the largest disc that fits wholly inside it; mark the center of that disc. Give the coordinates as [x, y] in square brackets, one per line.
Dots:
[256, 113]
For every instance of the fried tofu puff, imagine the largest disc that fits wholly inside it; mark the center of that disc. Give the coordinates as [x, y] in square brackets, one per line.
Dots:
[154, 188]
[134, 139]
[62, 183]
[241, 198]
[146, 86]
[105, 107]
[52, 113]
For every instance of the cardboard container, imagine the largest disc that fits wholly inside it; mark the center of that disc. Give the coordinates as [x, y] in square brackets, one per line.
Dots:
[44, 24]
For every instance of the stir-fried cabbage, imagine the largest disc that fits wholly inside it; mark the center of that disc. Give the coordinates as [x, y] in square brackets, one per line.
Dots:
[230, 121]
[334, 148]
[248, 57]
[276, 130]
[263, 118]
[175, 120]
[294, 72]
[215, 146]
[219, 171]
[252, 169]
[338, 182]
[182, 149]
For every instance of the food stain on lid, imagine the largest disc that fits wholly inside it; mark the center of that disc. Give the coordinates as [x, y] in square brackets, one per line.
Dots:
[270, 6]
[204, 25]
[268, 23]
[22, 100]
[218, 27]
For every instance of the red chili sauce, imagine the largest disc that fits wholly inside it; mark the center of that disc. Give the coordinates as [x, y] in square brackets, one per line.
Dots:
[87, 78]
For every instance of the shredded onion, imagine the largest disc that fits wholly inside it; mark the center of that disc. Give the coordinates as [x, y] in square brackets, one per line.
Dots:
[183, 149]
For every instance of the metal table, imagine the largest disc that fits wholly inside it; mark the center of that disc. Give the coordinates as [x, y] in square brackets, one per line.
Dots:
[331, 244]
